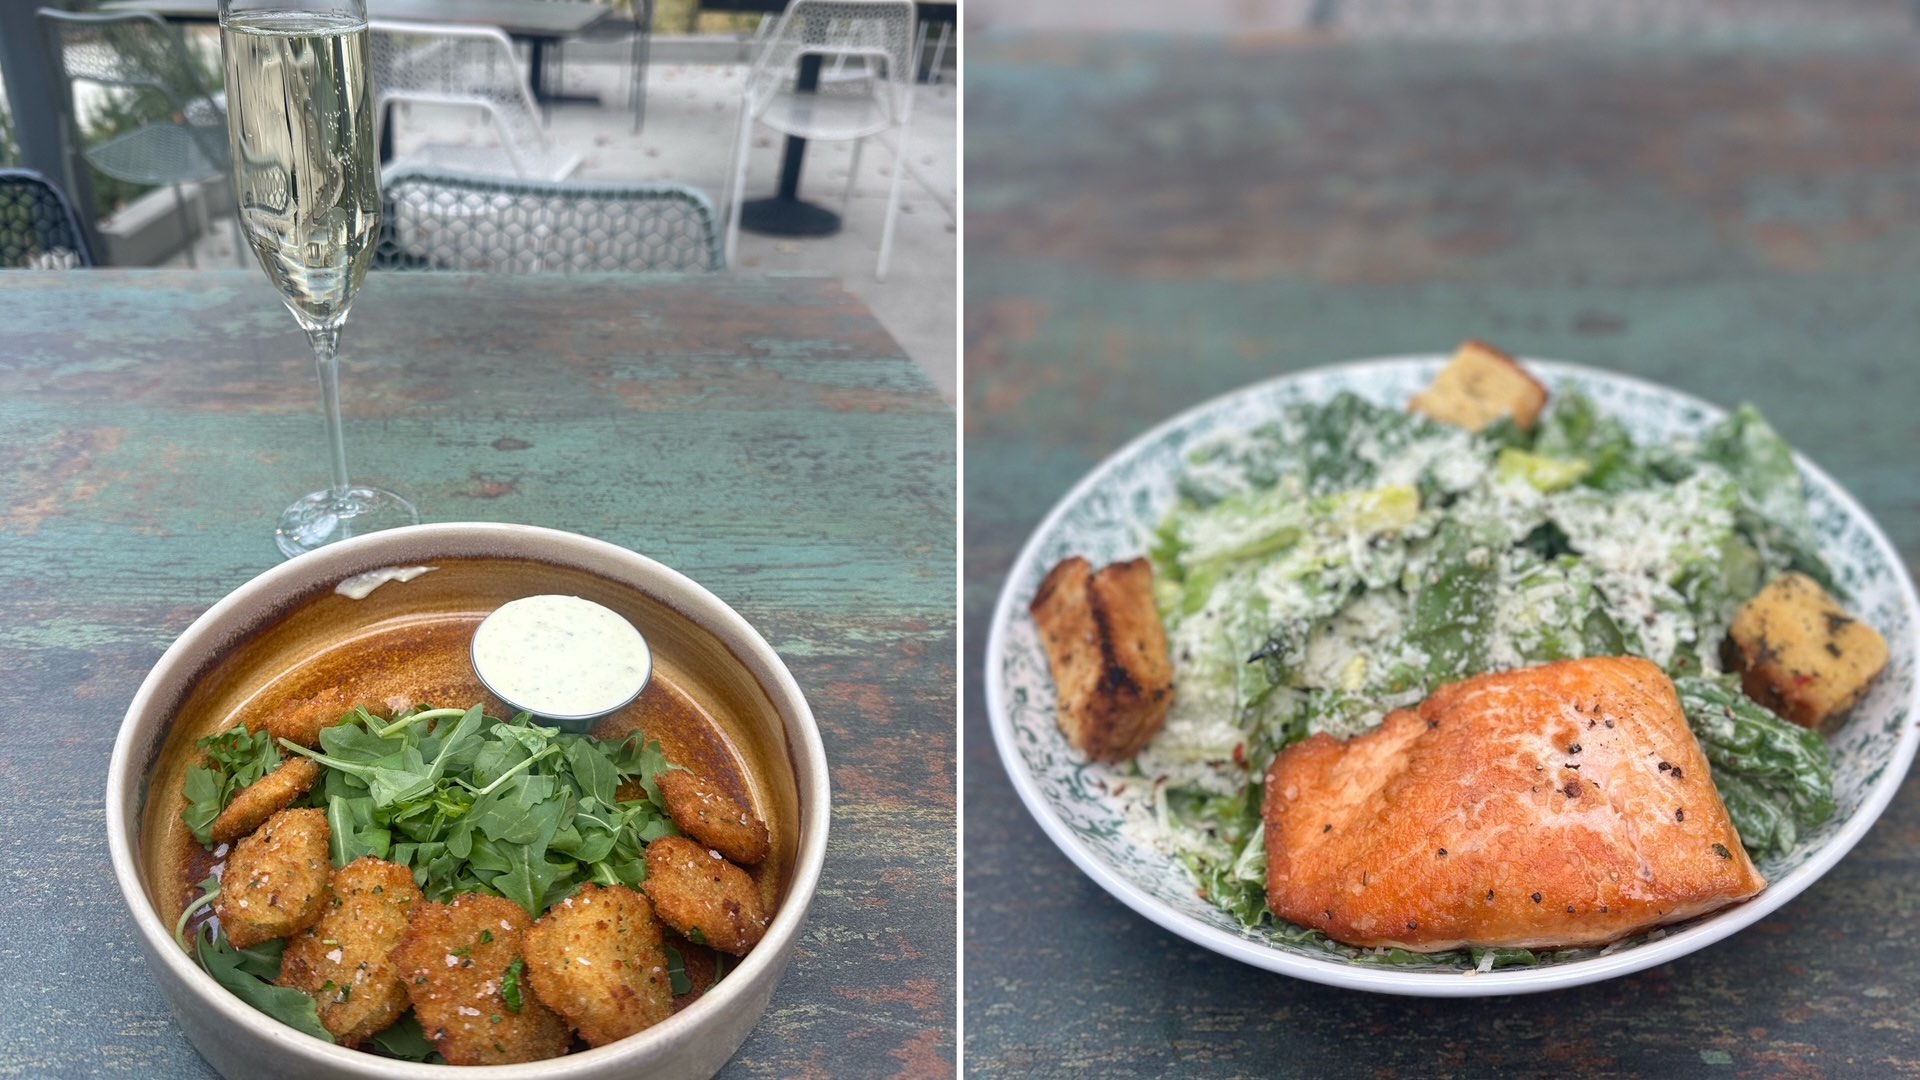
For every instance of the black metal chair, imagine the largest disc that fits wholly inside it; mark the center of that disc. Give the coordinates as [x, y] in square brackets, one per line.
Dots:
[39, 229]
[445, 221]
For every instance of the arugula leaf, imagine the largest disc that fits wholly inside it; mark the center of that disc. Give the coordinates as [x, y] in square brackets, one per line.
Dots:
[235, 758]
[407, 1040]
[239, 971]
[352, 831]
[677, 972]
[470, 802]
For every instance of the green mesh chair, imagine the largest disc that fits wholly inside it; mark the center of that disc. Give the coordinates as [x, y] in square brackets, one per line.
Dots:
[139, 52]
[446, 221]
[38, 228]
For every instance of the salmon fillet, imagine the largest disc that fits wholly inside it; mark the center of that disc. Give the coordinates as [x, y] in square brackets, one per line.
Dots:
[1559, 806]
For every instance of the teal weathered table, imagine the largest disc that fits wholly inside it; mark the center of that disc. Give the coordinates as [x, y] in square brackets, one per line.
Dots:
[764, 436]
[1150, 224]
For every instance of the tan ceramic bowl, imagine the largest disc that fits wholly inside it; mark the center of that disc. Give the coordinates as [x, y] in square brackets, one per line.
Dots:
[720, 701]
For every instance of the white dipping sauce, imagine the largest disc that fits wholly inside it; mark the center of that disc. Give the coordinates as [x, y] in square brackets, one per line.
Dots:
[561, 657]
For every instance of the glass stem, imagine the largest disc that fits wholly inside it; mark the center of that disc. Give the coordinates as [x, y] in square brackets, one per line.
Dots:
[326, 346]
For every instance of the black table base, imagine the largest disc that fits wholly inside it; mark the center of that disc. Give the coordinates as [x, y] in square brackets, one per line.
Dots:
[784, 214]
[778, 215]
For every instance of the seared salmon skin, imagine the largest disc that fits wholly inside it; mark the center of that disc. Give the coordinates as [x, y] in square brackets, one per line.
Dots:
[1559, 806]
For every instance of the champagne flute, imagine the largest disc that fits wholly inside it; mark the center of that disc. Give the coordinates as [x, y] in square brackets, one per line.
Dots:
[305, 172]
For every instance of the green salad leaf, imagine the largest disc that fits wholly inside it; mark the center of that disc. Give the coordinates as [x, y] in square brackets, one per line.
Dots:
[1774, 775]
[234, 758]
[407, 1040]
[472, 803]
[248, 975]
[1349, 558]
[677, 978]
[1453, 605]
[1230, 826]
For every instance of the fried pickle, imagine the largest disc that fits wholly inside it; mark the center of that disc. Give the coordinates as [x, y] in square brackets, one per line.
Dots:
[712, 817]
[275, 883]
[702, 895]
[264, 798]
[345, 960]
[596, 959]
[463, 967]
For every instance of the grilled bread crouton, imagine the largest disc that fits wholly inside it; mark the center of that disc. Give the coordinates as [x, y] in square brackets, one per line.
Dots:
[1800, 654]
[1481, 385]
[1108, 653]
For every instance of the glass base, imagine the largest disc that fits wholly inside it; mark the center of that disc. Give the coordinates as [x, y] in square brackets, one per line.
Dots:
[317, 520]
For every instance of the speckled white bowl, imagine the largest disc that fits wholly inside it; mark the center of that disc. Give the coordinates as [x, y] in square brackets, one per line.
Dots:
[247, 1045]
[1111, 514]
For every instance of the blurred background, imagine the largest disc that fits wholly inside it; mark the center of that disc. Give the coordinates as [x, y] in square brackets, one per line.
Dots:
[1167, 202]
[588, 122]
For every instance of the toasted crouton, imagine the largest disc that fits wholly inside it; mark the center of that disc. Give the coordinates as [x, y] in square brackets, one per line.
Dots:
[1108, 653]
[1481, 385]
[1801, 655]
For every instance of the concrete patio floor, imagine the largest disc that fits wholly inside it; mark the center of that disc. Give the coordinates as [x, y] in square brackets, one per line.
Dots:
[687, 138]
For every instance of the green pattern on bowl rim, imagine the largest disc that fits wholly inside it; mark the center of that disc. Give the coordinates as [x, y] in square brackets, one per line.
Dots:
[1111, 515]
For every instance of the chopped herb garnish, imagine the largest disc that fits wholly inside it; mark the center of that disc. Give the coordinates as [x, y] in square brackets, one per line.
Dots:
[510, 984]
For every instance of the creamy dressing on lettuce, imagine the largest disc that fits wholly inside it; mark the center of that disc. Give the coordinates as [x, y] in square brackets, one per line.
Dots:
[1346, 559]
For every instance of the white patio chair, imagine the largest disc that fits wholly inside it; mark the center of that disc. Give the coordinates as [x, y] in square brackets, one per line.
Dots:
[875, 38]
[469, 67]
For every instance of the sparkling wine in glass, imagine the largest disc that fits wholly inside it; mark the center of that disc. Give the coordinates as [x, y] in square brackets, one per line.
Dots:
[305, 171]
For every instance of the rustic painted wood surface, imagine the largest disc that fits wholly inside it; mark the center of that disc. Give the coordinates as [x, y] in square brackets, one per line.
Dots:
[1150, 224]
[764, 436]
